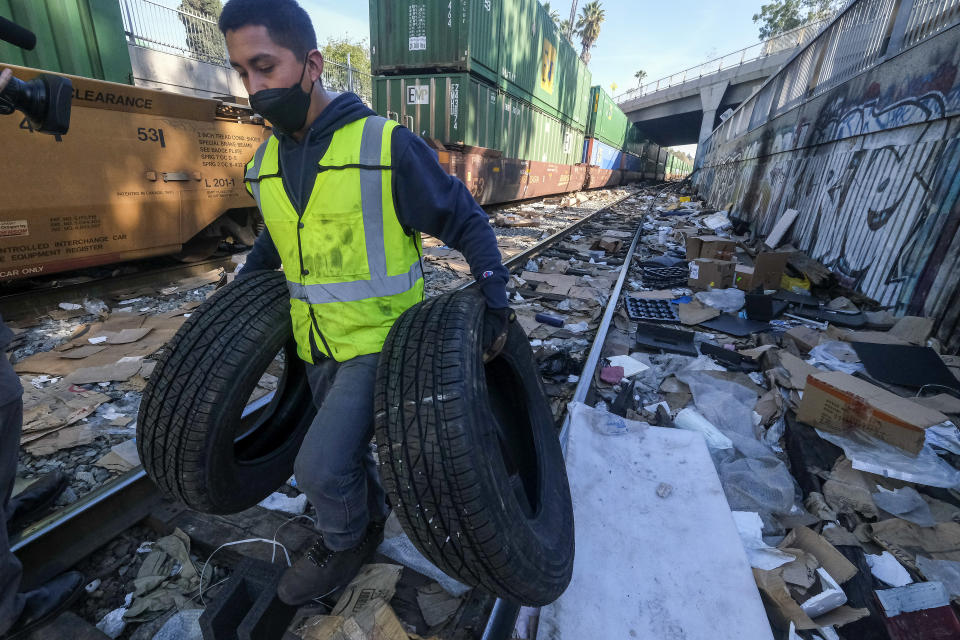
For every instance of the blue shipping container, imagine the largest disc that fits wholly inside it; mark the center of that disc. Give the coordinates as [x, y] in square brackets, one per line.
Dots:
[600, 154]
[632, 163]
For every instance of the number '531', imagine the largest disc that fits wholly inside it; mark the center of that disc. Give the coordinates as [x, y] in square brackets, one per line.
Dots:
[151, 135]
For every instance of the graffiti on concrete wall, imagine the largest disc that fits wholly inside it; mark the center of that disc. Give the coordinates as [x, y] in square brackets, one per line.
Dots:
[872, 166]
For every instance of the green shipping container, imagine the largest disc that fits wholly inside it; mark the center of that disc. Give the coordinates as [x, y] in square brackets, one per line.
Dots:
[608, 123]
[540, 66]
[425, 36]
[453, 108]
[458, 109]
[79, 37]
[530, 133]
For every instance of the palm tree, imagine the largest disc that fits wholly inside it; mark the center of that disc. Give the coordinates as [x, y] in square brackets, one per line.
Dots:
[567, 30]
[553, 13]
[588, 27]
[640, 75]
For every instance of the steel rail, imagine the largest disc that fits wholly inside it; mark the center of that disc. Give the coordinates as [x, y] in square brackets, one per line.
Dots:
[54, 544]
[504, 614]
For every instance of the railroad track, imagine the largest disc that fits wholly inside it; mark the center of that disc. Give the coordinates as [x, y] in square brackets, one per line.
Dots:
[23, 304]
[65, 537]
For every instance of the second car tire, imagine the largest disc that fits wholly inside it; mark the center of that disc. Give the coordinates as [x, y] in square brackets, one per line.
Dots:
[469, 453]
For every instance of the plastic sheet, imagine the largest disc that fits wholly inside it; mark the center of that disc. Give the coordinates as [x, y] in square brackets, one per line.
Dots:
[836, 356]
[726, 404]
[184, 625]
[753, 478]
[727, 300]
[944, 436]
[945, 571]
[905, 503]
[761, 485]
[876, 456]
[886, 568]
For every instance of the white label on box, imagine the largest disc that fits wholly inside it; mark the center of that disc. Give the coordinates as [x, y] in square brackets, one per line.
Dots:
[418, 95]
[418, 43]
[14, 228]
[694, 271]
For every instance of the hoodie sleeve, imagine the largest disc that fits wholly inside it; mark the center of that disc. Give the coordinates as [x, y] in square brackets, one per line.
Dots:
[264, 255]
[432, 201]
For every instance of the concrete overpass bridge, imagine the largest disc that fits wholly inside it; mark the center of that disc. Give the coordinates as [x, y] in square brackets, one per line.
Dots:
[684, 108]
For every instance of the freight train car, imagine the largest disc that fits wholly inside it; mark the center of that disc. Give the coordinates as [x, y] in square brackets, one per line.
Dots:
[140, 173]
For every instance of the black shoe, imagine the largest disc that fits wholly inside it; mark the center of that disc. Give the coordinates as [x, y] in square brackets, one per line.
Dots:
[321, 571]
[46, 603]
[29, 503]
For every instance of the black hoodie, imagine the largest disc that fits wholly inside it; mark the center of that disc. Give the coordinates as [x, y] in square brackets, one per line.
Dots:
[427, 198]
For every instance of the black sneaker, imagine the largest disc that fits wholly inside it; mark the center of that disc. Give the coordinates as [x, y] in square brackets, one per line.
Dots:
[24, 507]
[321, 571]
[46, 603]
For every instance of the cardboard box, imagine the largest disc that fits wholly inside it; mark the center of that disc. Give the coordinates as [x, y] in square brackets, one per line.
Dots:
[705, 273]
[713, 247]
[766, 272]
[835, 402]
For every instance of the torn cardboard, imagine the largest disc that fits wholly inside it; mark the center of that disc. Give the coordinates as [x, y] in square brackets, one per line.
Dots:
[55, 407]
[121, 457]
[783, 609]
[696, 312]
[119, 371]
[809, 541]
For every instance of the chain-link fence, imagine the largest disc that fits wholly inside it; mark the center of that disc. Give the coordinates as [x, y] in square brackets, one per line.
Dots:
[154, 26]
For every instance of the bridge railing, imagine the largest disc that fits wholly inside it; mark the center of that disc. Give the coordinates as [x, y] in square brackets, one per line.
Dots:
[783, 42]
[860, 37]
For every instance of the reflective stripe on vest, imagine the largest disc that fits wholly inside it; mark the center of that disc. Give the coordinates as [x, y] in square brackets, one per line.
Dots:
[357, 289]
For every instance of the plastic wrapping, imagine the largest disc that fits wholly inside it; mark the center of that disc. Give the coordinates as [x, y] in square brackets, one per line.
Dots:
[726, 404]
[753, 478]
[761, 485]
[727, 300]
[691, 420]
[876, 456]
[836, 356]
[944, 436]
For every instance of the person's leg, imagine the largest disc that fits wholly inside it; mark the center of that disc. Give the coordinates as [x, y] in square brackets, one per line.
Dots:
[11, 600]
[335, 467]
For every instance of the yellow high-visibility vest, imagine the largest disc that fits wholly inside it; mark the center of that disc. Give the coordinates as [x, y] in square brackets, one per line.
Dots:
[351, 268]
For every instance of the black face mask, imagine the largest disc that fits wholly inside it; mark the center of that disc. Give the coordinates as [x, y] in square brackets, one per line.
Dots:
[286, 109]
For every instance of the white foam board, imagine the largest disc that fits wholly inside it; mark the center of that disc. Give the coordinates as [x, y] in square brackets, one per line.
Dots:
[651, 567]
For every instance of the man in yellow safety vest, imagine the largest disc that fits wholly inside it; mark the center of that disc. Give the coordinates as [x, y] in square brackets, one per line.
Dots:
[344, 194]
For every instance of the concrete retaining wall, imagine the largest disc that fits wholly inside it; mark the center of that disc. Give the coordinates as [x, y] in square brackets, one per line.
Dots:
[873, 167]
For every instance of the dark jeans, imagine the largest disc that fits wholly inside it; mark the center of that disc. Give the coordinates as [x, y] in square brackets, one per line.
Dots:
[11, 601]
[335, 466]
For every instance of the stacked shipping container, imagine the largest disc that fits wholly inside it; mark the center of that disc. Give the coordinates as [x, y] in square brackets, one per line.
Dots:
[465, 76]
[495, 78]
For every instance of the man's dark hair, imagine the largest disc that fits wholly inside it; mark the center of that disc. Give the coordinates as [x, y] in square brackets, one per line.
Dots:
[287, 23]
